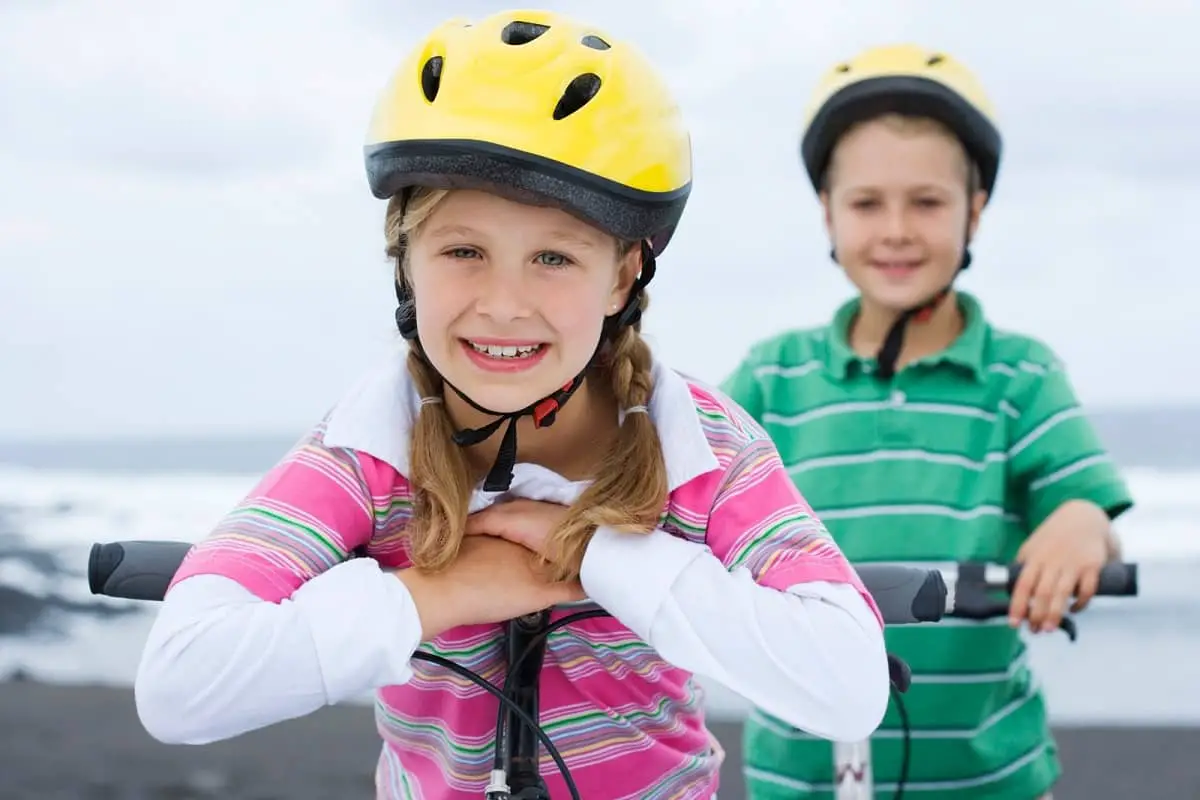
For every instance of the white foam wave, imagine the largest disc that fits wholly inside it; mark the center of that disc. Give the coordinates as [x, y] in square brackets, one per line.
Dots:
[67, 511]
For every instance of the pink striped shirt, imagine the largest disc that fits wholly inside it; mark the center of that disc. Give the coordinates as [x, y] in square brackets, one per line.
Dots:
[607, 698]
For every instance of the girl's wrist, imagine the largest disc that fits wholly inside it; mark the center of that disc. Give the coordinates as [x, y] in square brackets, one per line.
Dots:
[433, 603]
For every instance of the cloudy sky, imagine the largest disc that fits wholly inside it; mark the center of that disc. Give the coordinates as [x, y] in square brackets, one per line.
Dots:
[185, 228]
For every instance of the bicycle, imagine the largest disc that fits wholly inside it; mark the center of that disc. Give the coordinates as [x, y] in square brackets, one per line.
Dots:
[977, 591]
[142, 570]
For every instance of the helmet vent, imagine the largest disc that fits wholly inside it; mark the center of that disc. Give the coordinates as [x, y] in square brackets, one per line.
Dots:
[842, 68]
[518, 33]
[934, 60]
[577, 95]
[594, 42]
[431, 78]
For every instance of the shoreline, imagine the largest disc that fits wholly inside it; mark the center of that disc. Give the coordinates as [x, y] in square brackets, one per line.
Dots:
[84, 741]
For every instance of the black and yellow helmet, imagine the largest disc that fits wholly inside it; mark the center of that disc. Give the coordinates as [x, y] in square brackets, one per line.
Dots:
[903, 79]
[541, 108]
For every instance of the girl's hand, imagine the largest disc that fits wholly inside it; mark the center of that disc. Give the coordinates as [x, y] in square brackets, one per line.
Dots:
[524, 522]
[491, 580]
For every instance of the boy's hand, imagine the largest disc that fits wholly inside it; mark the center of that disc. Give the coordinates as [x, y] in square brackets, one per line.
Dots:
[1062, 557]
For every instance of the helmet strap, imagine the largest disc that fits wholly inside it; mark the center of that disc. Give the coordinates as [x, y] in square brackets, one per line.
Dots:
[544, 411]
[893, 343]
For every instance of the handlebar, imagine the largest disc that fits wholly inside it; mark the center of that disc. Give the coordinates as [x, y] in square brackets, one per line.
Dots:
[136, 570]
[142, 570]
[905, 595]
[1116, 580]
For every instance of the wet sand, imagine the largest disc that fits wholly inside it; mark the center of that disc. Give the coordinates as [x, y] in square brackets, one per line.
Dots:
[85, 743]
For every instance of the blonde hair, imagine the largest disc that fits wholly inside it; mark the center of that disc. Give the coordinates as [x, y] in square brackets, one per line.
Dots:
[909, 125]
[630, 490]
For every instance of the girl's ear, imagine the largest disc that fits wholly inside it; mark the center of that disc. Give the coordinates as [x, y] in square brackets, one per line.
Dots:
[628, 267]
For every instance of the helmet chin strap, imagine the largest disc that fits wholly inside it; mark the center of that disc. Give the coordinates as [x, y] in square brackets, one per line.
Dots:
[889, 353]
[544, 411]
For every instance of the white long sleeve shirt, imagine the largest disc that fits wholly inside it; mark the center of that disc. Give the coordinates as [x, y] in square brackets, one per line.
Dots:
[222, 659]
[220, 662]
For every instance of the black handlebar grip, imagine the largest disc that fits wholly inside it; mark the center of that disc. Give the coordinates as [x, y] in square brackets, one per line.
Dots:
[134, 570]
[905, 595]
[1116, 580]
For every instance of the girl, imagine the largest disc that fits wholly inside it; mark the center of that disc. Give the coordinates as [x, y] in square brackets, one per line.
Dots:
[529, 451]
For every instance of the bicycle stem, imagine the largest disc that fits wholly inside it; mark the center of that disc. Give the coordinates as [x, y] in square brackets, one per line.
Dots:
[525, 657]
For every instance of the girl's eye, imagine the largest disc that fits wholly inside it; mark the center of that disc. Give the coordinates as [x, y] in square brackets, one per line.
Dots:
[463, 252]
[865, 204]
[929, 202]
[550, 259]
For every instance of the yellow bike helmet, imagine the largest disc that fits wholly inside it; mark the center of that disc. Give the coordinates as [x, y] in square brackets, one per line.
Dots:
[903, 79]
[542, 108]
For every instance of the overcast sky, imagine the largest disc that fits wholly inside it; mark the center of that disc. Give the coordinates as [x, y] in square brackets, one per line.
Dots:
[188, 244]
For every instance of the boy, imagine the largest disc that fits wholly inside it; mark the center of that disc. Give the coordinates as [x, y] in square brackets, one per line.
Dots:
[918, 432]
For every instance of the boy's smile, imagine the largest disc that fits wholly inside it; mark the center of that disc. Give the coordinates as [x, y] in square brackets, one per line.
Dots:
[896, 269]
[897, 210]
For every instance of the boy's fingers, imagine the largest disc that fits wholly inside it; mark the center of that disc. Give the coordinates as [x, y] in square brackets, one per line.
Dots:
[1018, 608]
[1089, 581]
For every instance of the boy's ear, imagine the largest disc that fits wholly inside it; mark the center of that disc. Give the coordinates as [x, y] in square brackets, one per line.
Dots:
[976, 211]
[826, 212]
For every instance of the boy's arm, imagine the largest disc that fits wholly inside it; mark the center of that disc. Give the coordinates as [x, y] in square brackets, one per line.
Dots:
[1068, 491]
[1055, 455]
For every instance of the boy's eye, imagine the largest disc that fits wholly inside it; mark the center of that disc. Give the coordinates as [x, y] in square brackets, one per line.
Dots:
[462, 252]
[551, 259]
[929, 202]
[866, 203]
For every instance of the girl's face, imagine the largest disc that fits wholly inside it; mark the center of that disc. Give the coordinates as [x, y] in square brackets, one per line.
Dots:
[897, 212]
[511, 298]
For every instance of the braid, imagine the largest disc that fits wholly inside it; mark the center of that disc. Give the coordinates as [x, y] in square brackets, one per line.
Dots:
[439, 473]
[630, 490]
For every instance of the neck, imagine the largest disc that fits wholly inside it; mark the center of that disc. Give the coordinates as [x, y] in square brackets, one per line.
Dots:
[870, 328]
[572, 447]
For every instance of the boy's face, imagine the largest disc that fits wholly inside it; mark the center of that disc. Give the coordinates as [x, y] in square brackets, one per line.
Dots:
[897, 210]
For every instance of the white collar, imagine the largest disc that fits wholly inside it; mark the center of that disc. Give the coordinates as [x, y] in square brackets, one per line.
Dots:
[376, 416]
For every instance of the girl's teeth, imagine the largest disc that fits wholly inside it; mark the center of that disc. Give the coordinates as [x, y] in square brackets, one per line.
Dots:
[505, 351]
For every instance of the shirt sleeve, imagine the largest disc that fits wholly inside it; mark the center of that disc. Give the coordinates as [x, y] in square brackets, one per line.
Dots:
[263, 621]
[1055, 455]
[760, 521]
[306, 515]
[813, 656]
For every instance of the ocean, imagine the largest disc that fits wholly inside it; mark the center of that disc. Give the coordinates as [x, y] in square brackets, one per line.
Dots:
[1135, 661]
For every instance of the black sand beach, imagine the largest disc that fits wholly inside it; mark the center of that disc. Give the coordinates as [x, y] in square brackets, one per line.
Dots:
[85, 743]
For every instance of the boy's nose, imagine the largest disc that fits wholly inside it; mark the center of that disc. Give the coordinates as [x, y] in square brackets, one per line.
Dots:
[897, 227]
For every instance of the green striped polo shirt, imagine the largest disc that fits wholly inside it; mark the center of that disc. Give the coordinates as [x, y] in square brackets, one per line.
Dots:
[960, 456]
